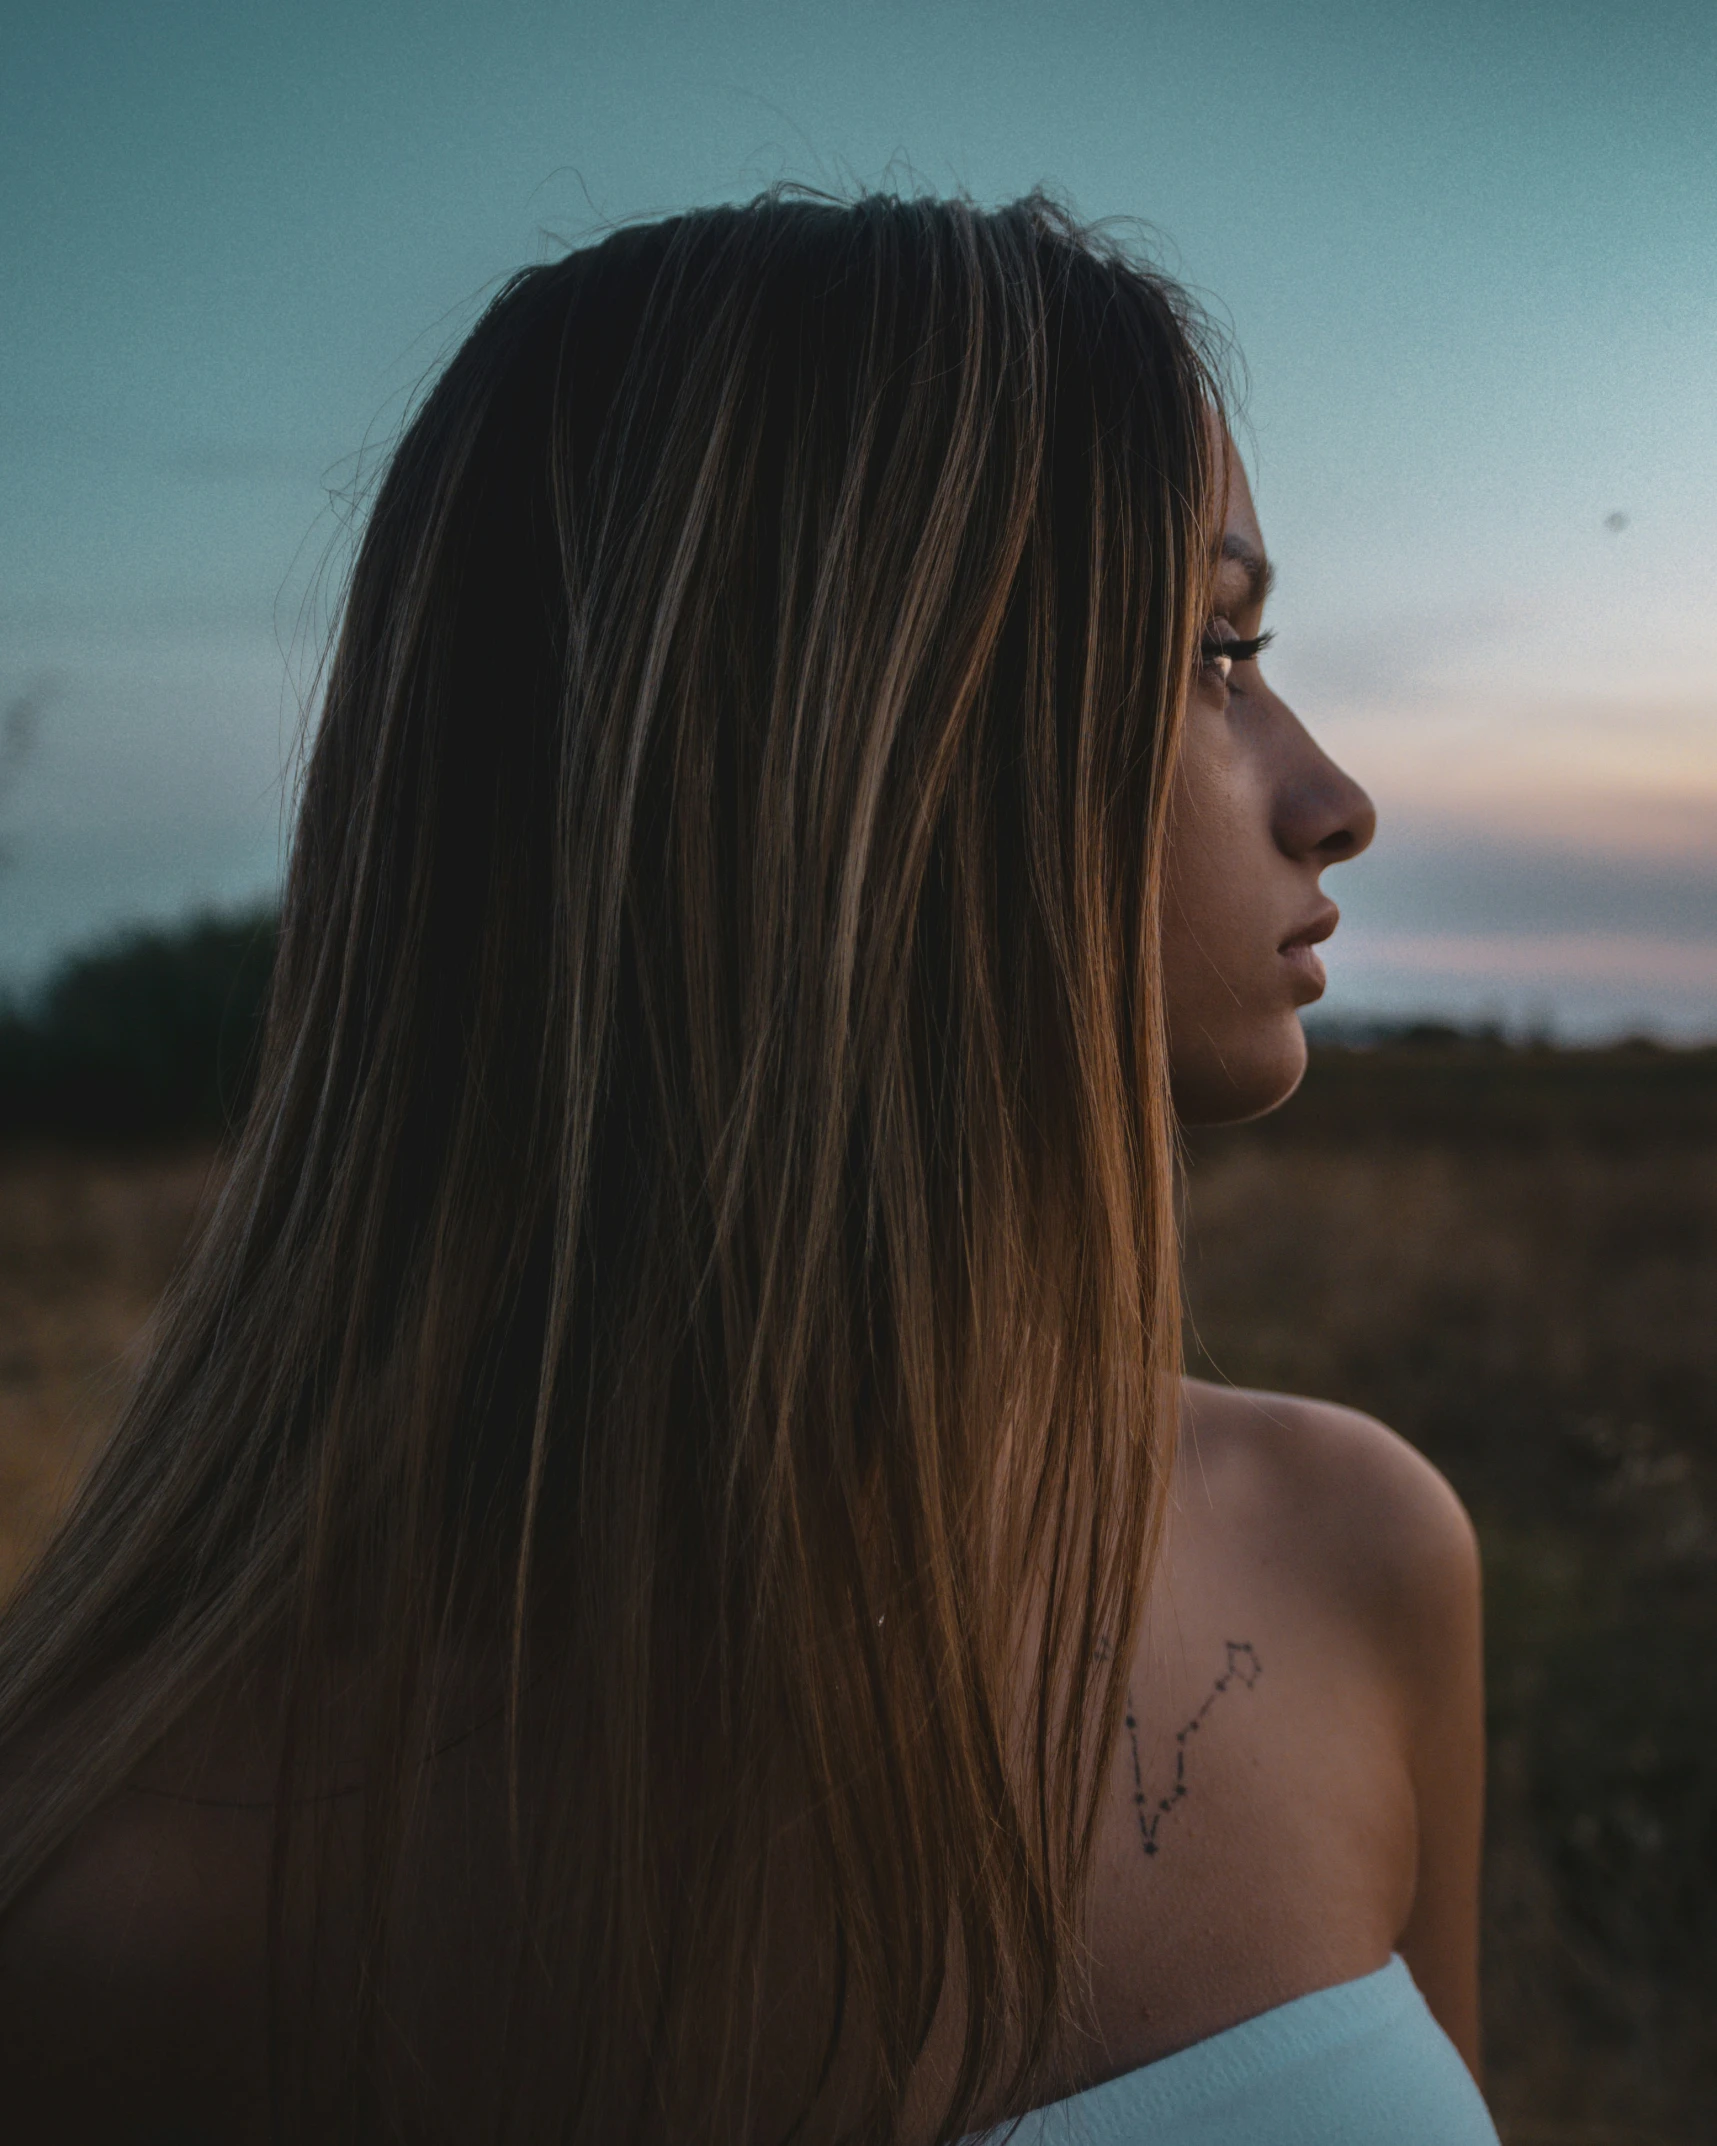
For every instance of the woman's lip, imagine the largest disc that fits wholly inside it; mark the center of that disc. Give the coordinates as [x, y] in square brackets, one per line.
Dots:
[1312, 934]
[1296, 951]
[1306, 966]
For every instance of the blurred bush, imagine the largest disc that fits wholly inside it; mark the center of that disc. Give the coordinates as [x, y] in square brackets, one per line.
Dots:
[150, 1036]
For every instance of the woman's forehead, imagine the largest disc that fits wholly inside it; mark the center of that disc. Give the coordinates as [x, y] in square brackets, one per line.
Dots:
[1243, 571]
[1242, 517]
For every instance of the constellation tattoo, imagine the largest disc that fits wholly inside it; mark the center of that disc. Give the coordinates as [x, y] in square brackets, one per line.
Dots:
[1243, 1668]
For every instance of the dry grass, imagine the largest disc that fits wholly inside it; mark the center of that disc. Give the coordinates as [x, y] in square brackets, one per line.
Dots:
[1514, 1263]
[86, 1246]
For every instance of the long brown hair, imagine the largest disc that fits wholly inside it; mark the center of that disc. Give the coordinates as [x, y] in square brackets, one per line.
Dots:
[699, 1278]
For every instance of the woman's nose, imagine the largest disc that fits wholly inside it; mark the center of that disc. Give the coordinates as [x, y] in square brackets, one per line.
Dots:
[1322, 814]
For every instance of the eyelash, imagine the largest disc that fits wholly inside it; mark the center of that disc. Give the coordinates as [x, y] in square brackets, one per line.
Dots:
[1214, 650]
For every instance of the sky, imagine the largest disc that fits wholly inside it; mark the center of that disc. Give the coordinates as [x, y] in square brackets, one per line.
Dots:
[1466, 254]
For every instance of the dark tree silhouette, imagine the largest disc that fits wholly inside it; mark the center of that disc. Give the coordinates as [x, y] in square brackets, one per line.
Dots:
[150, 1036]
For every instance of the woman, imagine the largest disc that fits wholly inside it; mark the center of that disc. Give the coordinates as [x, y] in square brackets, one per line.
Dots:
[661, 1580]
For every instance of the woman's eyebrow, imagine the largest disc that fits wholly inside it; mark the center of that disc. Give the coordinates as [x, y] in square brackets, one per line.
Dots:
[1260, 574]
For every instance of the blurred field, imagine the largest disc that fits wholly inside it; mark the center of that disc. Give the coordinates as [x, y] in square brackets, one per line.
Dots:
[1512, 1257]
[1509, 1255]
[86, 1244]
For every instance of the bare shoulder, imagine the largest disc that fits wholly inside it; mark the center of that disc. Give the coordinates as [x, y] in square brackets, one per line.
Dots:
[1368, 1559]
[1371, 1527]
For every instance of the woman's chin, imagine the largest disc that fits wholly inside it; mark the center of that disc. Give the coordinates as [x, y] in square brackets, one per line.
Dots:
[1225, 1081]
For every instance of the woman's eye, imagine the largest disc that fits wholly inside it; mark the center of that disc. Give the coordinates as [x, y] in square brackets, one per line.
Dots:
[1220, 652]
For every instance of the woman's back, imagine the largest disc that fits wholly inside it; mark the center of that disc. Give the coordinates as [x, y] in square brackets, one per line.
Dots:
[1292, 1801]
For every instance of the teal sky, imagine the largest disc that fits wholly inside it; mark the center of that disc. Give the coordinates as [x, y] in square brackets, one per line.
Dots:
[1469, 255]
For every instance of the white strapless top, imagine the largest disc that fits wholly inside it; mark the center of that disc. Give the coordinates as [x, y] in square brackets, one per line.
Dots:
[1362, 2064]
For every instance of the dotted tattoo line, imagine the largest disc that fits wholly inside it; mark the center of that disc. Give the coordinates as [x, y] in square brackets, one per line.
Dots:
[1244, 1668]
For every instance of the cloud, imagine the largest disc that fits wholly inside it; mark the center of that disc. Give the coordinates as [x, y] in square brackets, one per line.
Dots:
[1588, 984]
[1436, 875]
[1599, 775]
[1550, 960]
[161, 733]
[1575, 902]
